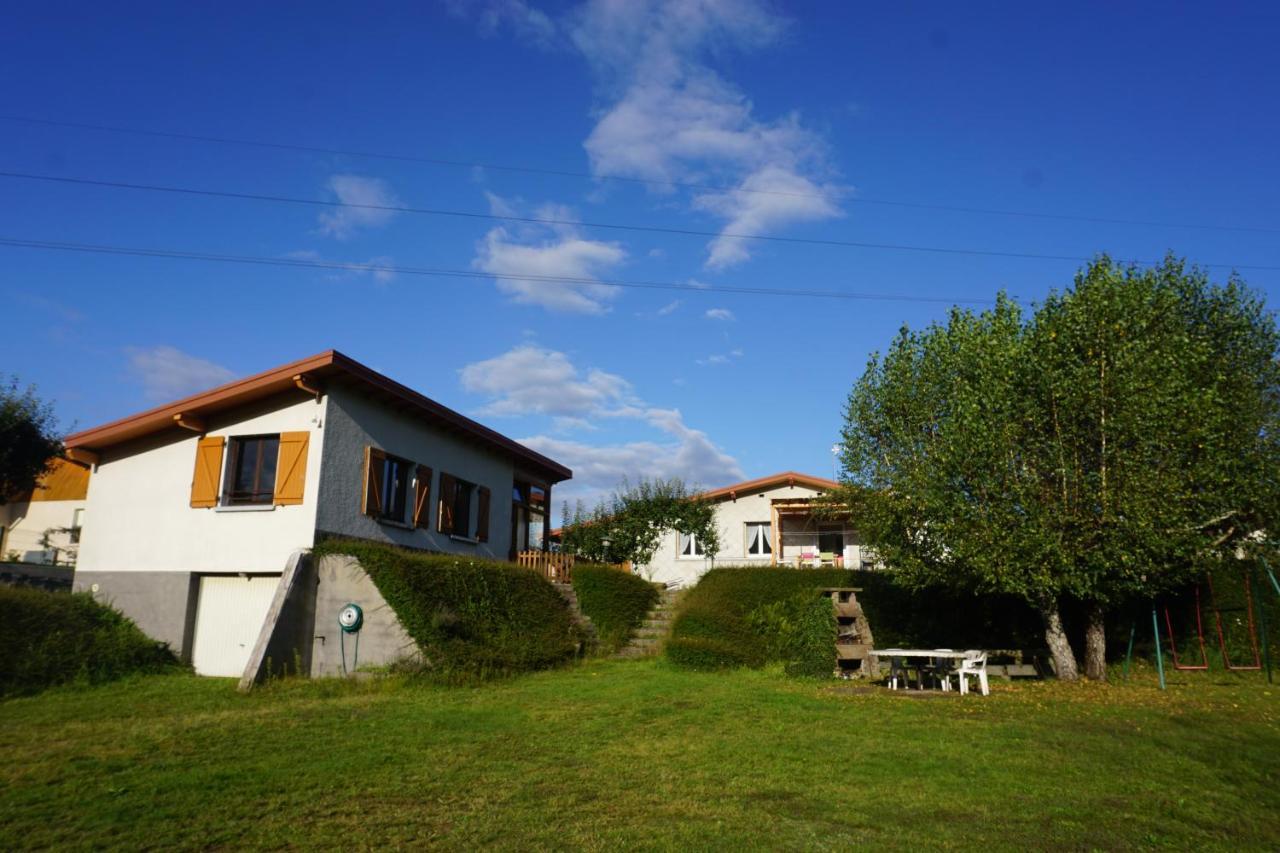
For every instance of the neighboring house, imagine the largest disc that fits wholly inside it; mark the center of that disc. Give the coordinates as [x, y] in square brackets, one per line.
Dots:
[43, 525]
[196, 506]
[768, 521]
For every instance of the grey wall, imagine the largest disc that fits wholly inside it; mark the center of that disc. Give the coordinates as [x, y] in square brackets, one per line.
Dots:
[341, 581]
[355, 421]
[162, 604]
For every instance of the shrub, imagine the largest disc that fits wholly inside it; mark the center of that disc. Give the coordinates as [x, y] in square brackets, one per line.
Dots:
[54, 638]
[751, 616]
[471, 618]
[615, 601]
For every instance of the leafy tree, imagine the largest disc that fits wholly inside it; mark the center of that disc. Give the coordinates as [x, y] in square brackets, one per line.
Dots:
[28, 439]
[629, 525]
[1109, 446]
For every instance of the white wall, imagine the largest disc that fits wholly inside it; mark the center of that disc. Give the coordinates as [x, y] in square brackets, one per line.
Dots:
[25, 524]
[357, 421]
[139, 518]
[732, 517]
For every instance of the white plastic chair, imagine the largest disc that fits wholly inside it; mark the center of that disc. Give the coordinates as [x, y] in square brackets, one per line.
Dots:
[942, 669]
[973, 663]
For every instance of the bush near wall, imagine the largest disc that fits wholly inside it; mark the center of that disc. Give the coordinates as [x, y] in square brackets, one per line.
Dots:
[615, 601]
[739, 617]
[49, 638]
[472, 619]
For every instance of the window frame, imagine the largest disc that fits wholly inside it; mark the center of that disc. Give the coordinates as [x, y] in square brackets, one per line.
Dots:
[235, 449]
[698, 552]
[405, 468]
[766, 531]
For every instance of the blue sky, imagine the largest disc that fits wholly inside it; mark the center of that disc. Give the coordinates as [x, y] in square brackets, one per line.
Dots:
[790, 120]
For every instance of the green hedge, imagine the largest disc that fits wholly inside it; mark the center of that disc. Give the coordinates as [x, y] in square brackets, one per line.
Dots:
[751, 616]
[471, 618]
[615, 601]
[51, 638]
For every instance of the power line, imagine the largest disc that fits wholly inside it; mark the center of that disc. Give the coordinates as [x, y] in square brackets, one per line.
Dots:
[669, 183]
[98, 248]
[536, 220]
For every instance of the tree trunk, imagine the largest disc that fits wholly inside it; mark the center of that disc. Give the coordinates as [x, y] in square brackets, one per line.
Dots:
[1064, 660]
[1095, 643]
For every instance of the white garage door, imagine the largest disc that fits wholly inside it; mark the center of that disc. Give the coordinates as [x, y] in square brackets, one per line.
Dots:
[229, 615]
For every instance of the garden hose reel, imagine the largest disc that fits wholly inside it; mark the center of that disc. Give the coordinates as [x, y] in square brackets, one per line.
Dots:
[350, 621]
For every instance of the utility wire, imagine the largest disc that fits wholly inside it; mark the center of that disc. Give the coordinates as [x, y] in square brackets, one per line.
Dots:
[575, 223]
[562, 173]
[98, 248]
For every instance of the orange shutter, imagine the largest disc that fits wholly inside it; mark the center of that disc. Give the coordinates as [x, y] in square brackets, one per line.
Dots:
[482, 521]
[448, 494]
[204, 484]
[372, 501]
[291, 467]
[422, 497]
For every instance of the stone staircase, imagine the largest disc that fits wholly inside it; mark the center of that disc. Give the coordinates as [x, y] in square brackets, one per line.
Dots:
[646, 641]
[571, 598]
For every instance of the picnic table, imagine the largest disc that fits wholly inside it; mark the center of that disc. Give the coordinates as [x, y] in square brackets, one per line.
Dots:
[898, 664]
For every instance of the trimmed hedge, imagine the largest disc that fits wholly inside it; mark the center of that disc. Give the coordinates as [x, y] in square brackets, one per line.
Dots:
[741, 617]
[615, 601]
[472, 619]
[51, 638]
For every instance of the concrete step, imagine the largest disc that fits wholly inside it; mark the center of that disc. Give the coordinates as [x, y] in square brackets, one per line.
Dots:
[656, 623]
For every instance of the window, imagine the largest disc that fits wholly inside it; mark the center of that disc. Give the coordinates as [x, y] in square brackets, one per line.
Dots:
[758, 544]
[690, 547]
[395, 488]
[251, 470]
[463, 509]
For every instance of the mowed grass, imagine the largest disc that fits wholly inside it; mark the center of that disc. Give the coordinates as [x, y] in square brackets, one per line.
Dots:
[641, 755]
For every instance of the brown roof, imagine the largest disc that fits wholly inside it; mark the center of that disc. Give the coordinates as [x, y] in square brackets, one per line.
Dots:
[786, 478]
[329, 365]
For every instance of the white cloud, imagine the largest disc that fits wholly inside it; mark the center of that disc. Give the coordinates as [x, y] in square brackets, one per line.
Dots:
[167, 373]
[669, 307]
[532, 380]
[493, 16]
[342, 222]
[720, 358]
[669, 117]
[520, 256]
[719, 314]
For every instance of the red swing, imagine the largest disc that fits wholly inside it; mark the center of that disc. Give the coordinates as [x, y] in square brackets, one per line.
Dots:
[1173, 646]
[1222, 638]
[1253, 631]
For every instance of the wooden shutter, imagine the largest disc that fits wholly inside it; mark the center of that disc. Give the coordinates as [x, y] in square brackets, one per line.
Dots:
[482, 519]
[204, 484]
[422, 497]
[291, 467]
[448, 494]
[373, 466]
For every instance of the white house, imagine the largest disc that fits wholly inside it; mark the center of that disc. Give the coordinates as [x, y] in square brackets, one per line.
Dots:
[768, 521]
[195, 507]
[43, 525]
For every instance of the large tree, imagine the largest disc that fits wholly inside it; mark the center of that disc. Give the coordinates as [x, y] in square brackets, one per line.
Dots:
[1109, 446]
[29, 440]
[629, 525]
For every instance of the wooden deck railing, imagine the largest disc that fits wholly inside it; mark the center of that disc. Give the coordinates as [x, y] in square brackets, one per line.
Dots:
[555, 566]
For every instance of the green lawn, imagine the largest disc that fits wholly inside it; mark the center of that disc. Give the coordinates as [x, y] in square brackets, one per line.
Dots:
[638, 754]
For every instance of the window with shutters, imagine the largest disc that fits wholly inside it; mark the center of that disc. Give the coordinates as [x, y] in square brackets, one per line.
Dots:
[251, 470]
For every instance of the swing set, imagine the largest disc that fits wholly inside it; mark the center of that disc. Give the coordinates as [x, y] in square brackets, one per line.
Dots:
[1259, 649]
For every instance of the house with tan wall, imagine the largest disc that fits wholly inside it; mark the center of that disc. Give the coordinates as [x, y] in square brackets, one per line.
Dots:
[195, 507]
[43, 525]
[769, 521]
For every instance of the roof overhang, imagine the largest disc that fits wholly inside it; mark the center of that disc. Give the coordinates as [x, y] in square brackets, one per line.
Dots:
[773, 481]
[308, 376]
